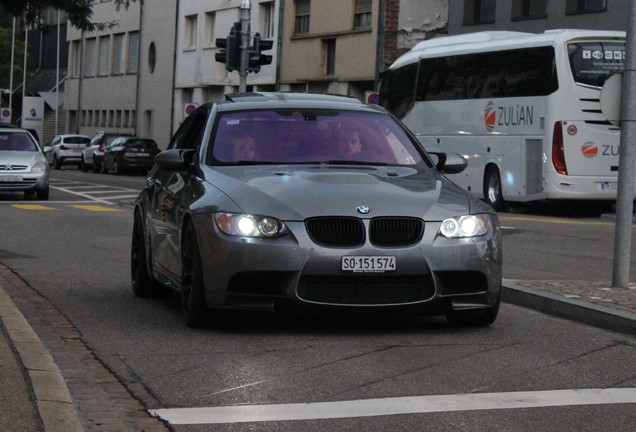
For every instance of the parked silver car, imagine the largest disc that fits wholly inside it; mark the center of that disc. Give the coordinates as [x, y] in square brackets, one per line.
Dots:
[268, 200]
[23, 166]
[66, 149]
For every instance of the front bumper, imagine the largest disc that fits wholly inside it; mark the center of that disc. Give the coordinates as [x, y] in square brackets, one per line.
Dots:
[23, 181]
[256, 273]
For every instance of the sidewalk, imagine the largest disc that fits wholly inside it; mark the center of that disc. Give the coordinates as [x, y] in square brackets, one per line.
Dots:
[35, 397]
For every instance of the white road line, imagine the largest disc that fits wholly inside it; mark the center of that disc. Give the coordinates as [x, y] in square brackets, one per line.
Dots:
[394, 406]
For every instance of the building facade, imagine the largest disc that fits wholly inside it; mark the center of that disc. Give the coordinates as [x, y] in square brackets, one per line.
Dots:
[121, 78]
[198, 76]
[340, 47]
[143, 75]
[536, 16]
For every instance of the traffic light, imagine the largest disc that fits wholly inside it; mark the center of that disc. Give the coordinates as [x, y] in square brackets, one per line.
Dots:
[256, 59]
[231, 49]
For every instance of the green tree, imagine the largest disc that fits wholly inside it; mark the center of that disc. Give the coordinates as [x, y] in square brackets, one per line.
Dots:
[80, 12]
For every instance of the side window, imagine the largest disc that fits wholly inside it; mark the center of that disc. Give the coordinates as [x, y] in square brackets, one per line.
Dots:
[189, 134]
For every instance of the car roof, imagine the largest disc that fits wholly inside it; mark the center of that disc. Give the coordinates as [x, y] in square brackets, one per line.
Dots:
[276, 100]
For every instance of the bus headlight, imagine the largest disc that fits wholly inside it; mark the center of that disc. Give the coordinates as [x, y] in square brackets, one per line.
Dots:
[465, 226]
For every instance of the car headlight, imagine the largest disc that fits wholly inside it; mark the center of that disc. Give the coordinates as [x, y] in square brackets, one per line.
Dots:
[247, 225]
[465, 226]
[39, 167]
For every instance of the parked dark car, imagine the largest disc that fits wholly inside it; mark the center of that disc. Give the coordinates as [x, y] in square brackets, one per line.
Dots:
[282, 199]
[129, 154]
[92, 156]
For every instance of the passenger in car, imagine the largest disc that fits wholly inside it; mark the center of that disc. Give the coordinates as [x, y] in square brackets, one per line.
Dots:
[349, 143]
[243, 148]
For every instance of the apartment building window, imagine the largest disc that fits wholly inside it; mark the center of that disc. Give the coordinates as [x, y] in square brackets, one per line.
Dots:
[479, 11]
[529, 9]
[190, 34]
[76, 52]
[585, 6]
[133, 52]
[210, 19]
[302, 16]
[91, 60]
[268, 14]
[118, 54]
[362, 14]
[329, 47]
[104, 55]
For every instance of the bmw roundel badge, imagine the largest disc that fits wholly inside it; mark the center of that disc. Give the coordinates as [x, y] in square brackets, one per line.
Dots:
[363, 209]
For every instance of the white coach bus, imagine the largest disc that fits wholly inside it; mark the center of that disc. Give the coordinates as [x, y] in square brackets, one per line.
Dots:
[523, 109]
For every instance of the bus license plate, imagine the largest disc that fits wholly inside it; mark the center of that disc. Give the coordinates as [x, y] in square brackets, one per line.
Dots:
[608, 186]
[361, 264]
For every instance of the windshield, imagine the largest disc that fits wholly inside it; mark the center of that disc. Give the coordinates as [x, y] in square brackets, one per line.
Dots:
[310, 136]
[12, 141]
[593, 62]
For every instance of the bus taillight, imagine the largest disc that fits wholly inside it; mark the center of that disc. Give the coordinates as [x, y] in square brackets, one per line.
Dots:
[558, 154]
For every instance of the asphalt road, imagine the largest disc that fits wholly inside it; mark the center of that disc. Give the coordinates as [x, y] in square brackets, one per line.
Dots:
[527, 372]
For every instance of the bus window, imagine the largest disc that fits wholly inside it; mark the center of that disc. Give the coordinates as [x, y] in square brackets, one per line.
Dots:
[511, 73]
[593, 62]
[397, 92]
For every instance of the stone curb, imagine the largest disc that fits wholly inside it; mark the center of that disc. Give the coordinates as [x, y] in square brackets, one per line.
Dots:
[576, 310]
[52, 396]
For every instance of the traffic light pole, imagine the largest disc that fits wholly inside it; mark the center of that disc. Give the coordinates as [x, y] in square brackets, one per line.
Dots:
[245, 43]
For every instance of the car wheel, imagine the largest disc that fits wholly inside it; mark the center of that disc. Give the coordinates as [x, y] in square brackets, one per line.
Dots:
[97, 166]
[119, 170]
[56, 162]
[143, 284]
[474, 317]
[83, 165]
[492, 189]
[42, 194]
[192, 295]
[102, 167]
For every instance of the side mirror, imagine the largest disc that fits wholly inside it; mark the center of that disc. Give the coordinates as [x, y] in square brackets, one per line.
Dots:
[449, 163]
[175, 160]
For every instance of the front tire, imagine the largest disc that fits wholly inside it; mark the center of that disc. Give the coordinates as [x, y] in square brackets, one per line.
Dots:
[192, 294]
[143, 284]
[83, 165]
[56, 162]
[474, 317]
[492, 189]
[42, 194]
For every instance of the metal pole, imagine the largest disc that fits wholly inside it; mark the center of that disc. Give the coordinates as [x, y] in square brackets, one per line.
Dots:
[11, 72]
[627, 161]
[245, 43]
[24, 72]
[57, 75]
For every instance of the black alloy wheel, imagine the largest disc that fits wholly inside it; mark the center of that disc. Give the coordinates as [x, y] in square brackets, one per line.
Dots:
[143, 284]
[192, 294]
[473, 317]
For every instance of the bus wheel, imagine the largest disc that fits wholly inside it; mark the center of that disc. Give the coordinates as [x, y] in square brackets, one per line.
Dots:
[492, 189]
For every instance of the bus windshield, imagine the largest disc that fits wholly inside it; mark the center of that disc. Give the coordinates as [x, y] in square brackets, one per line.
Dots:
[593, 62]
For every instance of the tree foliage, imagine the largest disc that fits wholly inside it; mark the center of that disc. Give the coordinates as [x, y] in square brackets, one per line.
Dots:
[80, 12]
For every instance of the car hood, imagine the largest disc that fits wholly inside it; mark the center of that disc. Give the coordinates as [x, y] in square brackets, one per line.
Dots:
[20, 157]
[298, 192]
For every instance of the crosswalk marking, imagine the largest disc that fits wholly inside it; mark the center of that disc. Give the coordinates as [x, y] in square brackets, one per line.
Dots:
[32, 207]
[394, 406]
[94, 207]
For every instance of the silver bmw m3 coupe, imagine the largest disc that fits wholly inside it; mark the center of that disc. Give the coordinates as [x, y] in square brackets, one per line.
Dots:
[271, 199]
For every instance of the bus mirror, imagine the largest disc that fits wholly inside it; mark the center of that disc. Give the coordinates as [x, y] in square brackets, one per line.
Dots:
[611, 99]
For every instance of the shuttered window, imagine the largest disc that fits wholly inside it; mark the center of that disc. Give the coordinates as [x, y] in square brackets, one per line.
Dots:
[118, 54]
[104, 55]
[133, 52]
[91, 46]
[362, 14]
[302, 16]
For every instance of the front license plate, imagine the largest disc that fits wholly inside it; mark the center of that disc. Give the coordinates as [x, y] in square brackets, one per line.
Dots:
[608, 186]
[11, 178]
[361, 264]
